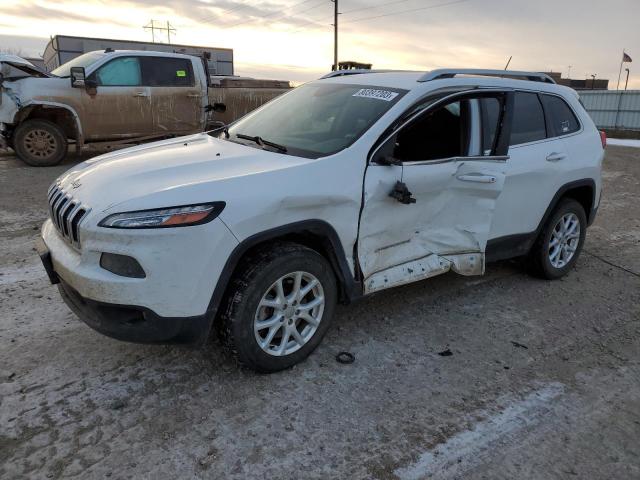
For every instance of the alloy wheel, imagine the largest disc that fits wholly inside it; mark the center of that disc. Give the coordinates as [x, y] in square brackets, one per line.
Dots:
[564, 241]
[289, 313]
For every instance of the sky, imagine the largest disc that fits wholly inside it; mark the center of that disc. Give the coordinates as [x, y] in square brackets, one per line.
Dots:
[293, 39]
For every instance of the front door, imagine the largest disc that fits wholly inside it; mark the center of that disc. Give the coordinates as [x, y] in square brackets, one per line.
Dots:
[177, 97]
[430, 191]
[120, 106]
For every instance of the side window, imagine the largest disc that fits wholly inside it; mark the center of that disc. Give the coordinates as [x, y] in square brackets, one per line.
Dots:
[561, 118]
[167, 72]
[461, 128]
[120, 72]
[435, 135]
[528, 119]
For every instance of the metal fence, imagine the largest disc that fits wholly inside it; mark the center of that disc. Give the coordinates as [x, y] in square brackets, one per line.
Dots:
[613, 109]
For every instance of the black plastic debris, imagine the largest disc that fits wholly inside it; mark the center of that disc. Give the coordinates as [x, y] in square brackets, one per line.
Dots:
[445, 353]
[519, 345]
[345, 358]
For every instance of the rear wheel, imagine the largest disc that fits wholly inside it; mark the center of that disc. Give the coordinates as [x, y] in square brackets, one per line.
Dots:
[279, 307]
[559, 244]
[40, 143]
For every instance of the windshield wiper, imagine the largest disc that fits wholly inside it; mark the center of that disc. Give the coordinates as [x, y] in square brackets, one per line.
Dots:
[262, 142]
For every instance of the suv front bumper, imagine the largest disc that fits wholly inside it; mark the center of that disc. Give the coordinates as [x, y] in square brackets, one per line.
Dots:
[134, 324]
[171, 304]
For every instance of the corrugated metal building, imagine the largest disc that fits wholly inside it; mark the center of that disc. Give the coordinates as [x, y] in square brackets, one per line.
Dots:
[63, 48]
[613, 109]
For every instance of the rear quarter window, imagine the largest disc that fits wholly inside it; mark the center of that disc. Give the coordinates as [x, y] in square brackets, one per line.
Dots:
[560, 117]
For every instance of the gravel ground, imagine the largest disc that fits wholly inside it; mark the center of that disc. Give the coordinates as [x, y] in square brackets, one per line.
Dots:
[543, 380]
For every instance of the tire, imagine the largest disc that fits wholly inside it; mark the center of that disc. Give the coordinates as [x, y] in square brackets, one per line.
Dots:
[551, 261]
[254, 284]
[40, 143]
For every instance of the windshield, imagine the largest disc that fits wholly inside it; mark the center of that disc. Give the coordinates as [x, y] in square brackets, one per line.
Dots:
[316, 119]
[85, 60]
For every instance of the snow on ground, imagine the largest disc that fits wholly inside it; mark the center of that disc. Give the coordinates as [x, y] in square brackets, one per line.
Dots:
[626, 142]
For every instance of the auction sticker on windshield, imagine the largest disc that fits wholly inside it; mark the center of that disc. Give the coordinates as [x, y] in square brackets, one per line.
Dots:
[385, 95]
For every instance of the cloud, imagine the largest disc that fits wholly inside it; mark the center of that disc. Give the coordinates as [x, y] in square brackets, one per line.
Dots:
[271, 34]
[39, 12]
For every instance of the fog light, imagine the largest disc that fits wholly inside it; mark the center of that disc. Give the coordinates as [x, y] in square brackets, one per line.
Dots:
[122, 265]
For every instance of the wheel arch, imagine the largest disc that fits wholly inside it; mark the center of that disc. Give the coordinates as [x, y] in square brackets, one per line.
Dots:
[315, 234]
[511, 246]
[62, 115]
[583, 191]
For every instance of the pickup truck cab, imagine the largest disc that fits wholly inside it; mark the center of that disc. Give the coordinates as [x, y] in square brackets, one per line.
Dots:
[102, 96]
[345, 186]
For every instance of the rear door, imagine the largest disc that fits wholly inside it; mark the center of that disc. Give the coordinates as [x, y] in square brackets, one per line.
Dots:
[431, 211]
[534, 171]
[121, 105]
[177, 96]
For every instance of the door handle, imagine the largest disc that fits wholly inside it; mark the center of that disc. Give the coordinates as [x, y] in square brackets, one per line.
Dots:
[477, 178]
[141, 94]
[194, 95]
[556, 157]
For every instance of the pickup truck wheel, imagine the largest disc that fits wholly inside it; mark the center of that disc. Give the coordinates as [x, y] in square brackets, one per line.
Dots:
[560, 241]
[279, 307]
[40, 143]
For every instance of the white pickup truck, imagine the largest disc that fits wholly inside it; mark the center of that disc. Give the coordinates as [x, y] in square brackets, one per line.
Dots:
[103, 96]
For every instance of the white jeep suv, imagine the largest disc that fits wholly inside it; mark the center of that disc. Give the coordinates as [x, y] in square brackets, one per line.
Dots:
[347, 185]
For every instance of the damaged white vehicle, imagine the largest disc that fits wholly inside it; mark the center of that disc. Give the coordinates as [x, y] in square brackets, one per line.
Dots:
[355, 183]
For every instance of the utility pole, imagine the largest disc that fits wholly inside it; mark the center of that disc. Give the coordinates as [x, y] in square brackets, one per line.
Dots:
[569, 74]
[169, 29]
[593, 81]
[335, 35]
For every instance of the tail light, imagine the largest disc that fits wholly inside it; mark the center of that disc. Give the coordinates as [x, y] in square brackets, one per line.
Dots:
[603, 138]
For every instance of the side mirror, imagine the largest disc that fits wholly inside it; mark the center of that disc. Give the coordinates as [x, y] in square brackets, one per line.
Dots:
[219, 107]
[77, 77]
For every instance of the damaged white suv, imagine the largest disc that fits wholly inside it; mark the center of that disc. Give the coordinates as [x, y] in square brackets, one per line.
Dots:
[345, 186]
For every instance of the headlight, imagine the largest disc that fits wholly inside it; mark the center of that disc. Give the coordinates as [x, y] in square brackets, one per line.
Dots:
[165, 217]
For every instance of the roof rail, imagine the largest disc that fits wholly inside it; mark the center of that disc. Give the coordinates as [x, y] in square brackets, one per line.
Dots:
[452, 72]
[355, 71]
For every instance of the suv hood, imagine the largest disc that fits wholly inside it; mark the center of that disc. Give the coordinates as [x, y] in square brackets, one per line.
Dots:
[180, 171]
[13, 67]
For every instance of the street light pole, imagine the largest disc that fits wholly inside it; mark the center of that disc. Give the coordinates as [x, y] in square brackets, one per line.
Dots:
[593, 81]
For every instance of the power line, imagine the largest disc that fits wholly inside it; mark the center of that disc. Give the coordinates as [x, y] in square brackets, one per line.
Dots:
[407, 11]
[266, 16]
[374, 6]
[224, 12]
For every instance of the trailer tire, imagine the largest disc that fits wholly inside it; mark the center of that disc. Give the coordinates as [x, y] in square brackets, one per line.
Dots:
[40, 143]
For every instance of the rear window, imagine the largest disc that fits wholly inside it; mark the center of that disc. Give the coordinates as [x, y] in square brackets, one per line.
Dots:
[167, 72]
[562, 120]
[528, 119]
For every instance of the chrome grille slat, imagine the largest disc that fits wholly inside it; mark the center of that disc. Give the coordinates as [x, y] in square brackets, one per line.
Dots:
[66, 213]
[59, 209]
[69, 217]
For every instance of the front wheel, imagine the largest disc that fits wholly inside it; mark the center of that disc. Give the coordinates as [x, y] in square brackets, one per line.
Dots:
[40, 143]
[279, 307]
[559, 244]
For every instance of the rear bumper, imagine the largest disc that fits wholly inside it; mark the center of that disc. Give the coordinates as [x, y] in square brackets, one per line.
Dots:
[132, 323]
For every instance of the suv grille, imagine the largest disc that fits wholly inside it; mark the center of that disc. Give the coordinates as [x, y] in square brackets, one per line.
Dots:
[66, 214]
